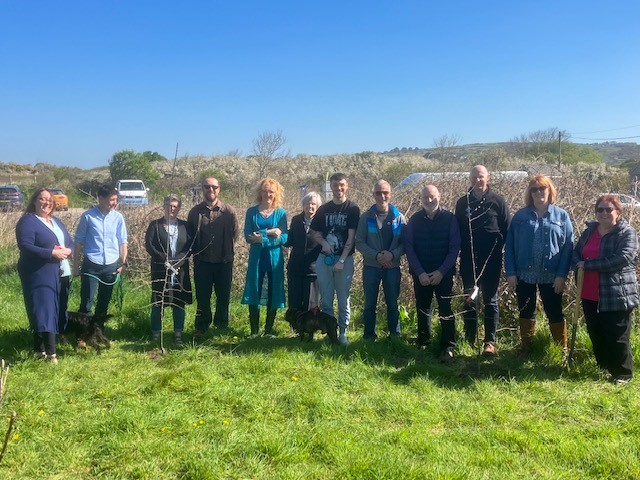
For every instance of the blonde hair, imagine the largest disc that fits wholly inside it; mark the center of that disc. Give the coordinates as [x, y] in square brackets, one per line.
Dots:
[279, 197]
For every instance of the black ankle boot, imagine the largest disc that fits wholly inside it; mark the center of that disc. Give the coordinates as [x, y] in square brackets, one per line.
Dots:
[268, 327]
[254, 319]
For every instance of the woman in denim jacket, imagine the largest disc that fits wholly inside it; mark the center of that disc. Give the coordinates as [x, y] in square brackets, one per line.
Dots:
[538, 256]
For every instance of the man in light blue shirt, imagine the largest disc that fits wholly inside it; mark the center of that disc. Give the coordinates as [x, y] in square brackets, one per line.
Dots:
[102, 237]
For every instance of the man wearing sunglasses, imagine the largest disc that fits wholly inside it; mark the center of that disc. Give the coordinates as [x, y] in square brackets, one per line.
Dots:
[213, 226]
[379, 240]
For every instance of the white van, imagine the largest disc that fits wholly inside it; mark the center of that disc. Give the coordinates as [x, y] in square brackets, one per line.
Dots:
[132, 192]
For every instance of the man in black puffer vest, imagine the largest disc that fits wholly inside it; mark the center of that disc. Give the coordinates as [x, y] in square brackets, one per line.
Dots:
[432, 243]
[483, 217]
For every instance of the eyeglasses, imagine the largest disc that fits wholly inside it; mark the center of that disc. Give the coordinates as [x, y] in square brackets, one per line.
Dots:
[537, 189]
[382, 192]
[604, 209]
[210, 187]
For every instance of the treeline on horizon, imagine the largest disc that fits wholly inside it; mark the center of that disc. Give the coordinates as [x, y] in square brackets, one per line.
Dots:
[269, 157]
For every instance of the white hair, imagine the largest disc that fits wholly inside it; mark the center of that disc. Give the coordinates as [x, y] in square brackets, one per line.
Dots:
[311, 196]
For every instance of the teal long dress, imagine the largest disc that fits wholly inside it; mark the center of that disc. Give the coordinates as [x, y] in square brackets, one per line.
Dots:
[252, 294]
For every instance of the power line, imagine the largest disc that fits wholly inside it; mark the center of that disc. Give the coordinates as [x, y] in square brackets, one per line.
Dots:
[605, 139]
[609, 130]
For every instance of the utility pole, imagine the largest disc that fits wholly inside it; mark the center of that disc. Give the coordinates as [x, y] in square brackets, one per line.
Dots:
[559, 148]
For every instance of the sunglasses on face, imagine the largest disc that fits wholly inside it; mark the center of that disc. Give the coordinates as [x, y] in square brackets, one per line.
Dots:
[604, 209]
[382, 192]
[537, 189]
[210, 187]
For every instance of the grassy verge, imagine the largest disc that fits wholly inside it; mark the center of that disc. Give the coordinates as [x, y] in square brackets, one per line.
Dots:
[278, 408]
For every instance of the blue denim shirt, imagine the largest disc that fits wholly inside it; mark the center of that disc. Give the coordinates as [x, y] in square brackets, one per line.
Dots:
[557, 243]
[101, 235]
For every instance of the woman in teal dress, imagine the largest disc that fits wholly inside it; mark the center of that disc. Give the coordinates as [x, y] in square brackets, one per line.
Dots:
[265, 230]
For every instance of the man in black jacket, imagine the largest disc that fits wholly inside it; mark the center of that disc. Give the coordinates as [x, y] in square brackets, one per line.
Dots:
[432, 241]
[483, 217]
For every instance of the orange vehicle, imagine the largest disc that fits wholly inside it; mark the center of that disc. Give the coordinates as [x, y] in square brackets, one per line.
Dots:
[62, 201]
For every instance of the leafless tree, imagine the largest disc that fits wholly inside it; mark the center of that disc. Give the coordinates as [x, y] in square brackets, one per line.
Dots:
[539, 145]
[267, 147]
[518, 146]
[445, 145]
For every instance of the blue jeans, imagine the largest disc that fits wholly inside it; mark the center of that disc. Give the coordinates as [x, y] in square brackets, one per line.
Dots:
[332, 283]
[371, 278]
[178, 318]
[100, 278]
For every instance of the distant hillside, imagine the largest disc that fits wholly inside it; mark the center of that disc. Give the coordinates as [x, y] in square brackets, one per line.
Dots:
[615, 152]
[459, 152]
[393, 165]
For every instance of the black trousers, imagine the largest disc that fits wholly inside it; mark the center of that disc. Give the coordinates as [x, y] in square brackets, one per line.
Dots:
[424, 297]
[609, 333]
[210, 277]
[488, 284]
[298, 291]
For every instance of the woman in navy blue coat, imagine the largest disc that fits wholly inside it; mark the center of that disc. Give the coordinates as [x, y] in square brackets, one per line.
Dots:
[45, 248]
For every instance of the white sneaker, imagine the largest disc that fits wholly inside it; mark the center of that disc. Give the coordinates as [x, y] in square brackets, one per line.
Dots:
[342, 338]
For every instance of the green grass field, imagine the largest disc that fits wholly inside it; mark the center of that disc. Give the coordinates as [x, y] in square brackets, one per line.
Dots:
[230, 407]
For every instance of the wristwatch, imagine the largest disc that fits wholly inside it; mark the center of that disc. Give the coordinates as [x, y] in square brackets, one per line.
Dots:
[341, 261]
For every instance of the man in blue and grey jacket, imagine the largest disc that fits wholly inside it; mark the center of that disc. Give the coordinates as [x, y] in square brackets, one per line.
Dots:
[379, 240]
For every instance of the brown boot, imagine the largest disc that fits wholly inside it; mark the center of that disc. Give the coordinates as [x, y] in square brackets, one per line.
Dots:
[527, 330]
[559, 334]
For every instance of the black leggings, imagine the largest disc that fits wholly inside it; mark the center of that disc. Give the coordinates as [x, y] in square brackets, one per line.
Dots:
[44, 342]
[551, 301]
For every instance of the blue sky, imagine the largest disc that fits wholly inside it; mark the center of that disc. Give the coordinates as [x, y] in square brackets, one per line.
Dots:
[83, 80]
